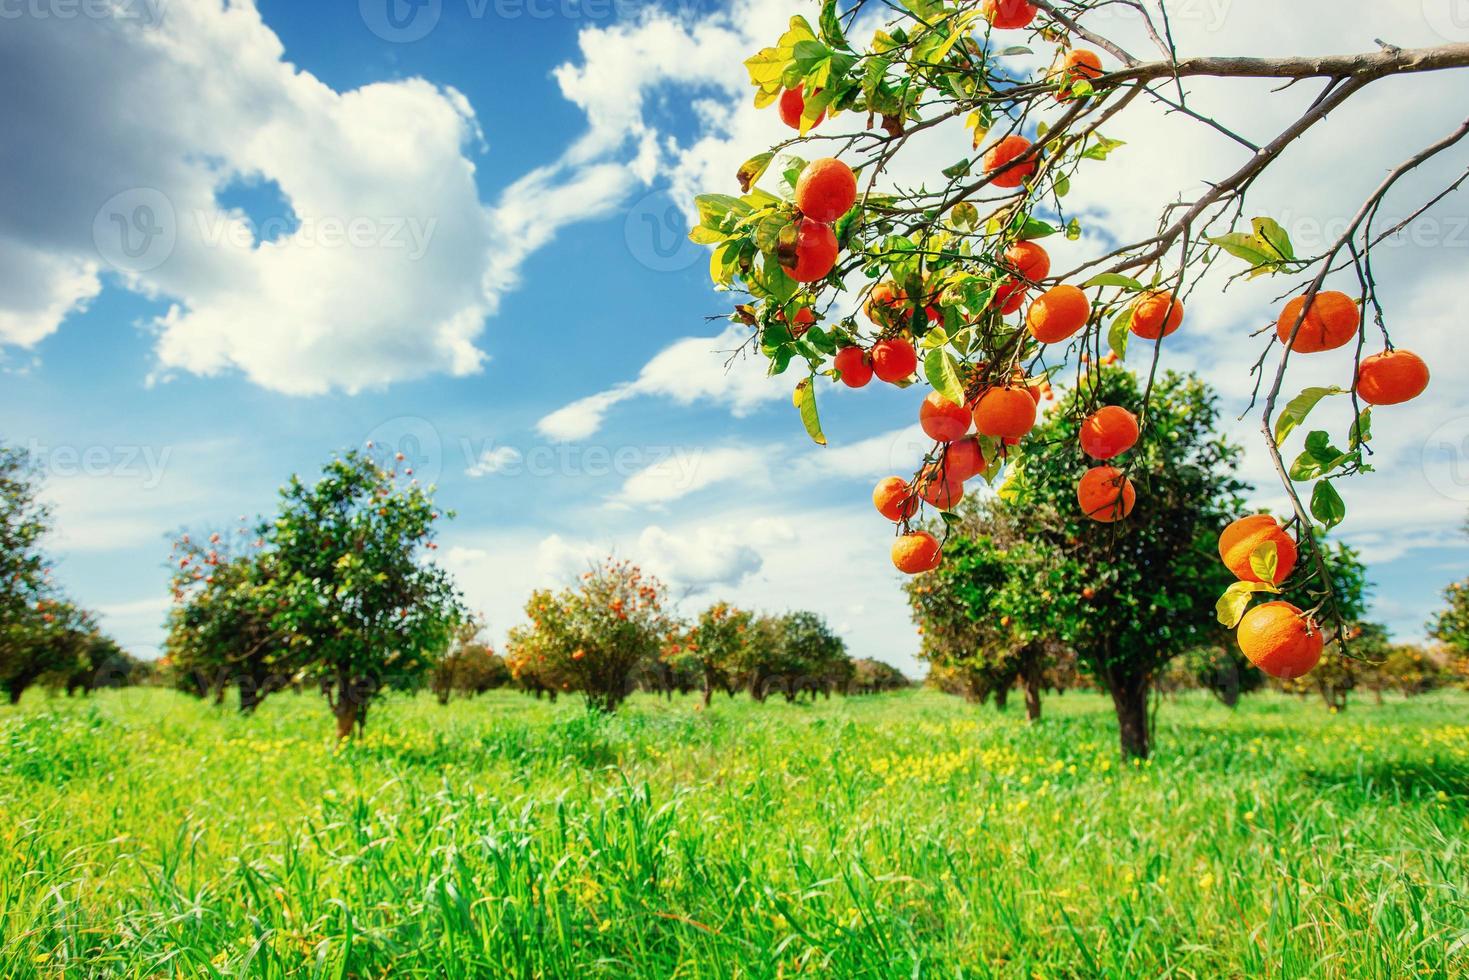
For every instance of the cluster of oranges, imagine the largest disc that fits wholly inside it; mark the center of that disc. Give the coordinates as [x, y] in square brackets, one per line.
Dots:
[1331, 321]
[1277, 637]
[826, 190]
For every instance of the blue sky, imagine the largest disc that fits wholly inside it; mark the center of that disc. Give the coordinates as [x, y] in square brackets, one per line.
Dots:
[468, 254]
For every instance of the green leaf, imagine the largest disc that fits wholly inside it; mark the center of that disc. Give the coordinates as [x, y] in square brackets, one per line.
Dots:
[942, 372]
[1032, 228]
[1298, 408]
[1101, 148]
[1265, 561]
[805, 401]
[1119, 332]
[831, 25]
[1361, 431]
[752, 168]
[1073, 230]
[964, 215]
[1114, 279]
[1230, 608]
[1327, 505]
[1268, 230]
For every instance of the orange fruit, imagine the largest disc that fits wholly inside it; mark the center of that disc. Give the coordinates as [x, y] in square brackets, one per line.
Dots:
[1240, 540]
[1109, 432]
[917, 552]
[1330, 323]
[1392, 377]
[1156, 314]
[894, 360]
[1006, 413]
[1082, 63]
[963, 460]
[893, 500]
[1030, 260]
[1010, 296]
[939, 488]
[816, 251]
[1009, 148]
[803, 320]
[826, 189]
[1058, 313]
[942, 420]
[1008, 15]
[1105, 494]
[1280, 640]
[792, 105]
[856, 369]
[885, 300]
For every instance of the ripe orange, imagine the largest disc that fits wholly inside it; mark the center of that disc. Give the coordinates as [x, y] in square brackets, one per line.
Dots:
[792, 105]
[1006, 413]
[1280, 640]
[1058, 313]
[1008, 15]
[883, 302]
[917, 552]
[826, 189]
[1109, 432]
[1156, 314]
[894, 360]
[856, 369]
[1030, 260]
[1009, 148]
[963, 460]
[803, 320]
[1082, 63]
[1010, 296]
[939, 488]
[1242, 537]
[816, 251]
[1105, 494]
[1392, 377]
[1331, 322]
[941, 419]
[893, 500]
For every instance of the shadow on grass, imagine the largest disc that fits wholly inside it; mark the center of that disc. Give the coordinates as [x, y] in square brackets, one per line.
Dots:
[1398, 781]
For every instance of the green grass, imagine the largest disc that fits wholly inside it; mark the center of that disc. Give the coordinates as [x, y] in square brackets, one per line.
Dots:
[143, 834]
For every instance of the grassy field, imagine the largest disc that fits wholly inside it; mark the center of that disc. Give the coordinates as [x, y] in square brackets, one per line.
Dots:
[908, 835]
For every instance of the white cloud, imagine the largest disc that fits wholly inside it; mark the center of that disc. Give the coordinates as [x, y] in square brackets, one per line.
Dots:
[682, 473]
[494, 460]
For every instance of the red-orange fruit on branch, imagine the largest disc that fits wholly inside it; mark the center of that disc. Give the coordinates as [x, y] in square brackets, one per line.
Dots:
[1156, 314]
[1109, 432]
[1008, 149]
[942, 420]
[1242, 538]
[826, 189]
[1030, 260]
[1058, 313]
[792, 105]
[939, 488]
[1392, 377]
[1281, 640]
[1004, 413]
[1331, 322]
[816, 252]
[893, 499]
[855, 368]
[917, 552]
[894, 360]
[963, 460]
[1105, 494]
[1081, 63]
[1008, 15]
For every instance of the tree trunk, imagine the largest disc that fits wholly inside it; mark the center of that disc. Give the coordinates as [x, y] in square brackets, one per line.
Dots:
[1032, 698]
[14, 693]
[708, 692]
[346, 712]
[1130, 698]
[1002, 698]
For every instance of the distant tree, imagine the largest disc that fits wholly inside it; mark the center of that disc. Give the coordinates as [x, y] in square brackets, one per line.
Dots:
[1221, 669]
[875, 677]
[103, 664]
[1129, 597]
[363, 608]
[598, 636]
[52, 639]
[24, 521]
[530, 668]
[1451, 625]
[718, 644]
[796, 654]
[469, 666]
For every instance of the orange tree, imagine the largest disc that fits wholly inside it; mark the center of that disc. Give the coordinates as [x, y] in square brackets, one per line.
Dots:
[1450, 626]
[597, 637]
[1131, 597]
[966, 609]
[24, 520]
[847, 273]
[717, 644]
[363, 608]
